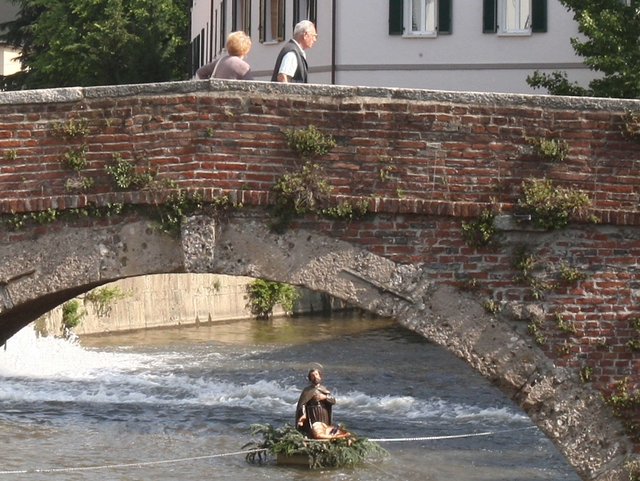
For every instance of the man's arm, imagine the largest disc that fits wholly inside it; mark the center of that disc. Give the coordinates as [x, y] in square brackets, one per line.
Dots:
[288, 67]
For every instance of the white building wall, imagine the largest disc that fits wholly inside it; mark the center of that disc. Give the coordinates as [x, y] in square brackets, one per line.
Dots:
[466, 60]
[9, 61]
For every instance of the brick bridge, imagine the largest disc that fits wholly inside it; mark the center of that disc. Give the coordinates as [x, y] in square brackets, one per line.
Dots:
[550, 316]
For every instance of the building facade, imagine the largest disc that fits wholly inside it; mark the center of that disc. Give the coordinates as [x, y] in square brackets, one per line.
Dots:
[9, 63]
[461, 45]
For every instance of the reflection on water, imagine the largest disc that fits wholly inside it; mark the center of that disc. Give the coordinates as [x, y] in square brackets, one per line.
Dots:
[167, 394]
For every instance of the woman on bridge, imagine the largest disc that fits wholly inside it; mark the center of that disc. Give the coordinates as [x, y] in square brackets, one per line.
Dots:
[232, 66]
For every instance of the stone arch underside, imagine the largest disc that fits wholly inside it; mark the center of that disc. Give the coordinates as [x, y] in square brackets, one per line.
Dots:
[40, 272]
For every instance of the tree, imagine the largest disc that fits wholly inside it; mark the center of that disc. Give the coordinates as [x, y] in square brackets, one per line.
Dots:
[611, 46]
[97, 42]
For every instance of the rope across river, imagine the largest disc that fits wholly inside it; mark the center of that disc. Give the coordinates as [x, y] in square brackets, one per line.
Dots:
[237, 453]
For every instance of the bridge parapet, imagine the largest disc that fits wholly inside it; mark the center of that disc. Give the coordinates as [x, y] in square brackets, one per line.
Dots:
[412, 151]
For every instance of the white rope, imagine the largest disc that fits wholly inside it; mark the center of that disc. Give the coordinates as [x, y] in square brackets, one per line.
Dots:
[130, 465]
[457, 436]
[211, 456]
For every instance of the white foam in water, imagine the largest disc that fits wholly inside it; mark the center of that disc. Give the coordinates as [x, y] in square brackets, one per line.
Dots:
[410, 408]
[29, 355]
[48, 369]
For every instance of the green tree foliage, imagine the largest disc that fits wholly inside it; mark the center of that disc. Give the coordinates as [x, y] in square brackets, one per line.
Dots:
[265, 295]
[97, 42]
[611, 46]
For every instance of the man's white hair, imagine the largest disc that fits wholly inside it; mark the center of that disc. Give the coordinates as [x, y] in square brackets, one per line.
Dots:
[301, 28]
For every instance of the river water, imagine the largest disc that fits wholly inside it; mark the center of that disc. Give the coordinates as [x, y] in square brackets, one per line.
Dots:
[173, 404]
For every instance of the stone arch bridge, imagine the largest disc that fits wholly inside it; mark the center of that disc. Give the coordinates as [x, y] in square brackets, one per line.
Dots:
[548, 316]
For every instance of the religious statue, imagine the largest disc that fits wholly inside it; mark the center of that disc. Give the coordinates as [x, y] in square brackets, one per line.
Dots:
[313, 412]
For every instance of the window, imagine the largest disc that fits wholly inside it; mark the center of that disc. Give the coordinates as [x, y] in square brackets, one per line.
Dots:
[514, 17]
[241, 16]
[420, 18]
[271, 20]
[305, 10]
[223, 25]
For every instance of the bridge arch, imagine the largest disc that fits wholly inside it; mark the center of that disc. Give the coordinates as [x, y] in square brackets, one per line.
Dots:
[68, 260]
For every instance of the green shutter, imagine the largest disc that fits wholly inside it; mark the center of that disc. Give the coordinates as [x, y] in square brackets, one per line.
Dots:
[313, 12]
[538, 16]
[263, 21]
[490, 16]
[444, 16]
[396, 17]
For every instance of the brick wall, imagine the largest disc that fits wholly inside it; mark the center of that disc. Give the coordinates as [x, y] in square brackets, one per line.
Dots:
[425, 161]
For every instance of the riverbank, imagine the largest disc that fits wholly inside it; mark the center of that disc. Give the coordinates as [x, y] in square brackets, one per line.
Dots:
[170, 300]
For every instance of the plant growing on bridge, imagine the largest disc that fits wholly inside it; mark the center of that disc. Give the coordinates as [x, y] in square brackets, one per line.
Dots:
[586, 374]
[534, 330]
[264, 295]
[625, 404]
[552, 207]
[72, 128]
[78, 183]
[346, 210]
[551, 149]
[525, 262]
[630, 125]
[481, 232]
[492, 306]
[564, 326]
[103, 298]
[571, 274]
[175, 209]
[75, 158]
[309, 142]
[298, 193]
[125, 174]
[10, 154]
[634, 344]
[467, 283]
[45, 216]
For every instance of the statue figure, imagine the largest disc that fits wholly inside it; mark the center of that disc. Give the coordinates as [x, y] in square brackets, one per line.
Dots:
[313, 412]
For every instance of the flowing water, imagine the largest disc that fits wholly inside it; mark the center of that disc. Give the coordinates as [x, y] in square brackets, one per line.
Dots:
[163, 404]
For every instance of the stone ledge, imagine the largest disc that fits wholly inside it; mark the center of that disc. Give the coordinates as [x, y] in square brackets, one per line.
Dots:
[256, 198]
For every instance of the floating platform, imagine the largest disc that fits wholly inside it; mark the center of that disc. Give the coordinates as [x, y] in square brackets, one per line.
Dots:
[293, 459]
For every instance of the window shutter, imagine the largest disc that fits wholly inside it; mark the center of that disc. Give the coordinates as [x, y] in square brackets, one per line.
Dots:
[444, 16]
[396, 17]
[296, 12]
[281, 22]
[538, 16]
[223, 24]
[313, 12]
[247, 17]
[263, 21]
[490, 16]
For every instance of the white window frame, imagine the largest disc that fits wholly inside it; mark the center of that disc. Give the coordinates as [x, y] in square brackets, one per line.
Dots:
[514, 17]
[427, 13]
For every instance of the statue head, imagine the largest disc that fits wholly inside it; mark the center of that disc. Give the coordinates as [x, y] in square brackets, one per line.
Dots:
[315, 376]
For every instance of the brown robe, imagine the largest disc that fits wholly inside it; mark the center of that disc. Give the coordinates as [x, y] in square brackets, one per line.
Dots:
[316, 411]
